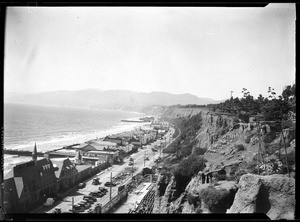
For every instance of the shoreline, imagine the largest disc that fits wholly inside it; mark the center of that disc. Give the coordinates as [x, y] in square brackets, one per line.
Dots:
[9, 160]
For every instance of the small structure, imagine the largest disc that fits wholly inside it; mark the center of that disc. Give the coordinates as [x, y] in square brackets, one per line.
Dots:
[65, 173]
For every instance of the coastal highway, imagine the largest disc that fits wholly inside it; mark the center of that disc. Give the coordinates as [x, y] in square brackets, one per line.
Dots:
[105, 175]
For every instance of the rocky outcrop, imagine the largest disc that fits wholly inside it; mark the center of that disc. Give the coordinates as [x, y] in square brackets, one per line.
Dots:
[163, 196]
[273, 195]
[191, 202]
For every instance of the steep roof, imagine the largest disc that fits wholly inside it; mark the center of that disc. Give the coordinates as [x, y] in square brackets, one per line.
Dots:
[33, 176]
[63, 165]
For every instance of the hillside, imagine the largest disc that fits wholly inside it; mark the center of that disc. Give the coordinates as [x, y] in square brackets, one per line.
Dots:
[109, 99]
[222, 144]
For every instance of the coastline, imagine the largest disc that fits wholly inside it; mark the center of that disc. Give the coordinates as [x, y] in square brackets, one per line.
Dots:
[42, 146]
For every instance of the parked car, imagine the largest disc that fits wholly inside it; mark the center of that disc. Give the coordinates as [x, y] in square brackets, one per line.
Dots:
[90, 211]
[57, 210]
[110, 184]
[89, 197]
[154, 150]
[103, 189]
[130, 164]
[96, 181]
[146, 158]
[131, 159]
[85, 205]
[77, 208]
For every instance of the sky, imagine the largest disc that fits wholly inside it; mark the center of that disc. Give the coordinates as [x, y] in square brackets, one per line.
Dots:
[204, 51]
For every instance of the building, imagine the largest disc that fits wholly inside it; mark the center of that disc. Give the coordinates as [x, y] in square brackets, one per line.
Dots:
[65, 172]
[84, 172]
[111, 155]
[29, 184]
[114, 139]
[105, 144]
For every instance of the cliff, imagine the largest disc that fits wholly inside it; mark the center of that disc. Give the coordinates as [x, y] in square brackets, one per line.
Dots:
[273, 195]
[233, 152]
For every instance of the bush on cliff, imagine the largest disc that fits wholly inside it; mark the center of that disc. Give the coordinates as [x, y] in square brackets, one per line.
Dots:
[189, 166]
[215, 200]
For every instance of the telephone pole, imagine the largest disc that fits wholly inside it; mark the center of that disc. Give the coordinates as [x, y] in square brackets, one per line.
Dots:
[110, 186]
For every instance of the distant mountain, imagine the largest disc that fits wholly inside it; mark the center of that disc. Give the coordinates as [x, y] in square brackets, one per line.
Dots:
[110, 99]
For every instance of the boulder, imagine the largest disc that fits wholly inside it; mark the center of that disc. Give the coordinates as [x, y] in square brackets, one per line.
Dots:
[273, 195]
[245, 198]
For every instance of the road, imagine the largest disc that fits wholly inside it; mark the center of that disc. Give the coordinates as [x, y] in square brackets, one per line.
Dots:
[139, 163]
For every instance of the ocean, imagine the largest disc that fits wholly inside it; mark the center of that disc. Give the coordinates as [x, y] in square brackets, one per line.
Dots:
[52, 127]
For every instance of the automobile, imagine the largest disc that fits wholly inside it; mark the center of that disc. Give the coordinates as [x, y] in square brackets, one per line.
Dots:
[146, 158]
[131, 159]
[57, 210]
[89, 201]
[88, 197]
[85, 205]
[96, 181]
[93, 194]
[130, 164]
[77, 208]
[154, 150]
[110, 184]
[81, 185]
[97, 194]
[90, 211]
[103, 189]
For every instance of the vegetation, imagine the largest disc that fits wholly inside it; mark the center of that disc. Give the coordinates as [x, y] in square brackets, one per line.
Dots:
[271, 108]
[216, 200]
[183, 146]
[189, 166]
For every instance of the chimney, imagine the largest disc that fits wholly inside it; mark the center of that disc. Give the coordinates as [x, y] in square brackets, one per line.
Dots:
[46, 155]
[34, 154]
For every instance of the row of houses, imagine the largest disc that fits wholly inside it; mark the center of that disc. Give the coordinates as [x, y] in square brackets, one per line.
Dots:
[28, 185]
[114, 148]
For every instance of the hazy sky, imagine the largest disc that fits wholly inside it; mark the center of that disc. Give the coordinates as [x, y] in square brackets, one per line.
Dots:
[203, 51]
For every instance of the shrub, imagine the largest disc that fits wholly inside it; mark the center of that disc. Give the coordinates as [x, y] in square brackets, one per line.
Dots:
[189, 166]
[213, 198]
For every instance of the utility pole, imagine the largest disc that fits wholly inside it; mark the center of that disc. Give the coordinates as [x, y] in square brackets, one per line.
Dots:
[231, 101]
[110, 186]
[72, 204]
[132, 170]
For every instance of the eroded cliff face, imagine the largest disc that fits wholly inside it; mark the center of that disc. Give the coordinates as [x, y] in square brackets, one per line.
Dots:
[273, 195]
[233, 146]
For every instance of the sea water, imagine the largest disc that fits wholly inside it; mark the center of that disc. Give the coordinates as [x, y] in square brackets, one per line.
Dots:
[53, 127]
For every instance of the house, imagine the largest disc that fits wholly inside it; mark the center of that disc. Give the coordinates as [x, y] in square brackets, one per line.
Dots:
[102, 144]
[114, 139]
[112, 155]
[135, 141]
[28, 185]
[65, 172]
[84, 172]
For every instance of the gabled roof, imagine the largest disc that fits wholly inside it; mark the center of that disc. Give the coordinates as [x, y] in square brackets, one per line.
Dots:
[33, 176]
[64, 164]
